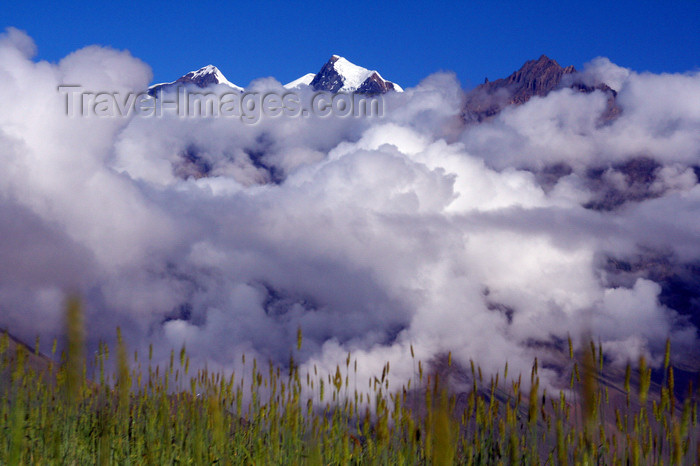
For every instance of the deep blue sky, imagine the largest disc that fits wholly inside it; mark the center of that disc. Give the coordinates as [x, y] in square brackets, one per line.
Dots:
[405, 41]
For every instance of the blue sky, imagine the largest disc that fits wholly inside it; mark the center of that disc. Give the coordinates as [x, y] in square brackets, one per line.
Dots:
[405, 41]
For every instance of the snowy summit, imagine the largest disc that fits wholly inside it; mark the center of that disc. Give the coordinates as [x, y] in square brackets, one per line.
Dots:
[303, 81]
[340, 75]
[337, 75]
[203, 77]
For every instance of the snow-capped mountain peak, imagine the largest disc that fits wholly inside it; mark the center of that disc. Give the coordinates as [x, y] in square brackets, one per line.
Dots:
[337, 75]
[353, 75]
[341, 75]
[303, 81]
[206, 76]
[203, 77]
[209, 70]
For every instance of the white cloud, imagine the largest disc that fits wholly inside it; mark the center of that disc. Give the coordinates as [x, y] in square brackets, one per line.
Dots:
[377, 234]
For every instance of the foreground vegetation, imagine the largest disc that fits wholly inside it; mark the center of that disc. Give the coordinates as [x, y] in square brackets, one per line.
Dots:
[164, 415]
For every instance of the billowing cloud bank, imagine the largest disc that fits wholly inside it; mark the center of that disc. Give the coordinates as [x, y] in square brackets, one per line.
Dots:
[492, 241]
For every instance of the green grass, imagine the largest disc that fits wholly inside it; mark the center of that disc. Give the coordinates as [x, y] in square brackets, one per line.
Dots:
[165, 415]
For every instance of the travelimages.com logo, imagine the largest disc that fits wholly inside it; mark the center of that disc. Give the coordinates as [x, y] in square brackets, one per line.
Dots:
[248, 107]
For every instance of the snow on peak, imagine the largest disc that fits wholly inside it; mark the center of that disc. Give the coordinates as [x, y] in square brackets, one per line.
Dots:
[337, 75]
[207, 74]
[209, 69]
[340, 75]
[203, 77]
[303, 81]
[353, 76]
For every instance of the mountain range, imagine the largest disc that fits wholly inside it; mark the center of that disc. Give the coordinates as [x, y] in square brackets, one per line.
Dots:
[535, 78]
[680, 282]
[337, 75]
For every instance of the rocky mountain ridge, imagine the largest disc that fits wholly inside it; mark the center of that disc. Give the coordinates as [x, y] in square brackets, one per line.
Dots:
[535, 78]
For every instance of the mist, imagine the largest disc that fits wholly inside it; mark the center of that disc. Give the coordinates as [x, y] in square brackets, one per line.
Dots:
[492, 241]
